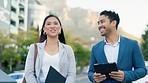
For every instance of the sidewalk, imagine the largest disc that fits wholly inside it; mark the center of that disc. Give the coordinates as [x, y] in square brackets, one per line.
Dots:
[81, 76]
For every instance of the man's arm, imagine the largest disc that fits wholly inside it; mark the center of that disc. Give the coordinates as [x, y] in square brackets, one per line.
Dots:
[91, 68]
[139, 65]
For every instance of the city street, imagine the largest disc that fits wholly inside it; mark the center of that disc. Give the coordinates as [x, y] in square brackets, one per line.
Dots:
[82, 78]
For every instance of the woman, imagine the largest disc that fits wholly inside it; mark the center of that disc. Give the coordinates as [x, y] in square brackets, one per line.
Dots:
[52, 51]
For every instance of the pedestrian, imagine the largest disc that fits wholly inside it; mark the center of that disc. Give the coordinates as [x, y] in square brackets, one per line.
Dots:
[117, 49]
[52, 51]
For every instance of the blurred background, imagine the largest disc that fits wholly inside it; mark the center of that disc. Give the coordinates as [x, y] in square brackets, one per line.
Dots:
[21, 21]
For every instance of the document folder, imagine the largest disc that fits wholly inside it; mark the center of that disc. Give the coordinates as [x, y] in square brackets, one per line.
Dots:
[54, 76]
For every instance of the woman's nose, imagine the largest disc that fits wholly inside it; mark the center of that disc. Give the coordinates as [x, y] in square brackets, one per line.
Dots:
[52, 26]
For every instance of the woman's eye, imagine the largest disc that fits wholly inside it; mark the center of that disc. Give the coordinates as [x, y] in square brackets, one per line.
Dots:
[56, 23]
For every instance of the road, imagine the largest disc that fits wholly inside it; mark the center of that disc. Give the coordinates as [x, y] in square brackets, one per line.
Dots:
[82, 78]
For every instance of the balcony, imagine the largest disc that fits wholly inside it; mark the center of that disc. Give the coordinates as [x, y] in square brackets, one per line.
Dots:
[13, 29]
[14, 16]
[14, 3]
[22, 2]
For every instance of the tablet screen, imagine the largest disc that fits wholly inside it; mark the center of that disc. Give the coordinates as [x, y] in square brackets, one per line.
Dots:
[105, 69]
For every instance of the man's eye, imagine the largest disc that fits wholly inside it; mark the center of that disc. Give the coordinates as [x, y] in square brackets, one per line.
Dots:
[102, 21]
[98, 22]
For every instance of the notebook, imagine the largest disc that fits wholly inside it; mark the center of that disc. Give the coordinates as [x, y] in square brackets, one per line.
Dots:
[54, 76]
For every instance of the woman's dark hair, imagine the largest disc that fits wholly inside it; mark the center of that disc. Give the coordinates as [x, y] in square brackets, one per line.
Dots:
[43, 37]
[112, 16]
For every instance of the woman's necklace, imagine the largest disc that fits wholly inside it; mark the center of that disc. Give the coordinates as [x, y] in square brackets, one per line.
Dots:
[52, 51]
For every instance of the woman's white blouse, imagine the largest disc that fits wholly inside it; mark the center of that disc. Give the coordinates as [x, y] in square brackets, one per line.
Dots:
[49, 60]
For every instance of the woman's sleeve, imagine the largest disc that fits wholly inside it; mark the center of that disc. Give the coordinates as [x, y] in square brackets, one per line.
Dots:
[29, 66]
[72, 67]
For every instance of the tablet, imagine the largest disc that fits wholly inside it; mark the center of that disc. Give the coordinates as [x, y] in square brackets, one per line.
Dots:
[105, 69]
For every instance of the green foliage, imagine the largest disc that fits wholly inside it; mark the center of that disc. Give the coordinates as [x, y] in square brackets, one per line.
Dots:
[24, 39]
[144, 45]
[10, 57]
[70, 40]
[14, 49]
[9, 53]
[82, 54]
[4, 41]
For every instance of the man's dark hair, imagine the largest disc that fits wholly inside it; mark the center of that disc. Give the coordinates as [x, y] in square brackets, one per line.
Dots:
[112, 16]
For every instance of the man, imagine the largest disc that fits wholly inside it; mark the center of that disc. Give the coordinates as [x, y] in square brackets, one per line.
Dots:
[115, 48]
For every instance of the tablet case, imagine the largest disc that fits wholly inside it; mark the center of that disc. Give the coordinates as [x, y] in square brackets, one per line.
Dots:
[54, 76]
[105, 68]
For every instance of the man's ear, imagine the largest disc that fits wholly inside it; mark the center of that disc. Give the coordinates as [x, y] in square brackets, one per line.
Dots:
[114, 22]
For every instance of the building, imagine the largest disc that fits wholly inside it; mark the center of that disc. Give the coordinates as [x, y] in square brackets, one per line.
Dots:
[37, 11]
[19, 14]
[4, 15]
[14, 14]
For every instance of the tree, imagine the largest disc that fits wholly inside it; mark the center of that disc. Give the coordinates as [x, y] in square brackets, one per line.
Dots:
[4, 41]
[144, 45]
[10, 57]
[14, 49]
[23, 41]
[82, 54]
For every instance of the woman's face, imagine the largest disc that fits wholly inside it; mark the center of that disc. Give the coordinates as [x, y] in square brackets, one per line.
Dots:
[52, 27]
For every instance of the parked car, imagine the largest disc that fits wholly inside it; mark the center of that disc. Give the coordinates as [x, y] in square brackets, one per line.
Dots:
[18, 76]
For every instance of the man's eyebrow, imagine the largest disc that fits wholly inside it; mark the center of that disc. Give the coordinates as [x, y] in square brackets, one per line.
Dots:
[101, 20]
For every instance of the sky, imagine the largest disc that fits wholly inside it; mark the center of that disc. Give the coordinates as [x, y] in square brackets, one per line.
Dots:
[133, 13]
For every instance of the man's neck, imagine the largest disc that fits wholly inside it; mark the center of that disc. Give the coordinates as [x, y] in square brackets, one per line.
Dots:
[112, 39]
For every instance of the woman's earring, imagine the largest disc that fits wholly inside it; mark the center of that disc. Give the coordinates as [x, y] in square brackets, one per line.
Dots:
[59, 32]
[44, 33]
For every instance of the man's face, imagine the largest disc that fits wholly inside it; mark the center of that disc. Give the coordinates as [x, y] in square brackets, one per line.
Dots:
[104, 25]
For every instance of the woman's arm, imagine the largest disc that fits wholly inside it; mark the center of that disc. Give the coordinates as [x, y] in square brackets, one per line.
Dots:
[71, 78]
[29, 66]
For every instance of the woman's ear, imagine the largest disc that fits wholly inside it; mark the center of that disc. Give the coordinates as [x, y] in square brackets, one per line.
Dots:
[44, 29]
[59, 31]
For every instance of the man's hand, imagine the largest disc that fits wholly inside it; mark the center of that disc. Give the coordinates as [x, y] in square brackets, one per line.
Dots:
[117, 75]
[98, 77]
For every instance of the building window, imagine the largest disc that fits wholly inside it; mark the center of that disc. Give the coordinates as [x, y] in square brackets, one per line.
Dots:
[21, 22]
[21, 10]
[13, 9]
[12, 22]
